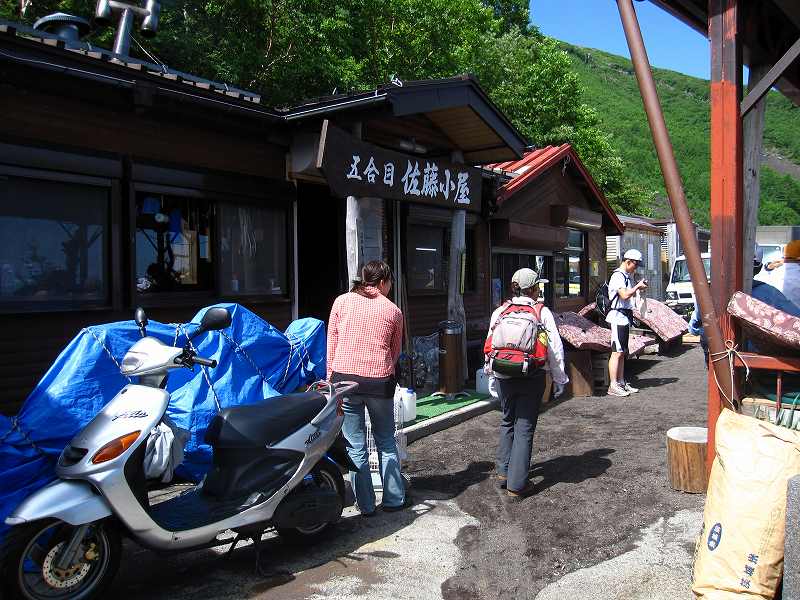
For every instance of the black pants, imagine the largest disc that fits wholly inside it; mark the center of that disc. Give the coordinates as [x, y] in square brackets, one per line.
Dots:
[520, 401]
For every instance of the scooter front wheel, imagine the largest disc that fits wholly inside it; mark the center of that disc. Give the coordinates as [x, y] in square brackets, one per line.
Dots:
[34, 566]
[327, 477]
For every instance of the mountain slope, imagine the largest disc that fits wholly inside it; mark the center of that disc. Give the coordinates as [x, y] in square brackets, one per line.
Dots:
[610, 88]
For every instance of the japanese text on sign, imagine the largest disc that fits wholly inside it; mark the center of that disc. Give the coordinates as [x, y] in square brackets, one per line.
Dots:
[450, 185]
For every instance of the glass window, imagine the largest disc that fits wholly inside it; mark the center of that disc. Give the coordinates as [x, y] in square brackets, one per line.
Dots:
[503, 268]
[173, 244]
[569, 266]
[253, 250]
[426, 262]
[53, 241]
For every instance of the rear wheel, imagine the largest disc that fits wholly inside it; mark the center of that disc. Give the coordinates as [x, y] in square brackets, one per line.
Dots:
[32, 555]
[327, 477]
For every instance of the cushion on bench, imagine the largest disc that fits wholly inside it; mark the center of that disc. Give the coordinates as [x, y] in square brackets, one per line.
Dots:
[773, 330]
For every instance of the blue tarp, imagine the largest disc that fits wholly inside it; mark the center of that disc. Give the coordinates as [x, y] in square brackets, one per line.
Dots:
[255, 361]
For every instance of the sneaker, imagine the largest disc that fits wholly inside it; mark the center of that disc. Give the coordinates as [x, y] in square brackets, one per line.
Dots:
[615, 390]
[629, 388]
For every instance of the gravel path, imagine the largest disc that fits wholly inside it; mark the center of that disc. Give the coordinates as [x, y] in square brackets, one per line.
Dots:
[603, 524]
[600, 474]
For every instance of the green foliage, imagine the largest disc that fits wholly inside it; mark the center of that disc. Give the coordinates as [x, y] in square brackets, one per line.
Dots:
[611, 84]
[289, 50]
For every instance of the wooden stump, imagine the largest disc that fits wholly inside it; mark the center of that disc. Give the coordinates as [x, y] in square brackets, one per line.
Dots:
[686, 459]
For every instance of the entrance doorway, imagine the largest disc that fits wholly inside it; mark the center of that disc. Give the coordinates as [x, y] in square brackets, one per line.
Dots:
[321, 260]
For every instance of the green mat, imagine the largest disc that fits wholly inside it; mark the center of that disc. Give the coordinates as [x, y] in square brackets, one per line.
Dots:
[433, 406]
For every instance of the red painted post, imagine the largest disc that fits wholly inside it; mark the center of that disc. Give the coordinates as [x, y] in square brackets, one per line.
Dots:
[726, 177]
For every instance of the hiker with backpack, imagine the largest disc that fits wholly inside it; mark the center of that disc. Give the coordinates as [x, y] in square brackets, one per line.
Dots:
[621, 292]
[522, 344]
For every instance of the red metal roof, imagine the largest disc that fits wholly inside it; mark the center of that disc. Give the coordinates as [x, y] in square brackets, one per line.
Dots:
[536, 162]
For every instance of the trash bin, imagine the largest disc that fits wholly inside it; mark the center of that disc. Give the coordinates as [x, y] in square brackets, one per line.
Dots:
[451, 369]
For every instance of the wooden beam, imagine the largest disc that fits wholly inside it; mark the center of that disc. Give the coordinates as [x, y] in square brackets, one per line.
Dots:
[726, 178]
[753, 132]
[771, 78]
[769, 363]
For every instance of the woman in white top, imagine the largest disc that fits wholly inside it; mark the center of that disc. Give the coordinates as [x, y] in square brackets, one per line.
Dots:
[521, 397]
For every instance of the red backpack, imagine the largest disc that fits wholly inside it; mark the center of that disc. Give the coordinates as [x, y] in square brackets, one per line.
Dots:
[517, 343]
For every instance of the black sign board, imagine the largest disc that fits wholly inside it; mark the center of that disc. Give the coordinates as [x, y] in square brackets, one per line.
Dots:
[356, 168]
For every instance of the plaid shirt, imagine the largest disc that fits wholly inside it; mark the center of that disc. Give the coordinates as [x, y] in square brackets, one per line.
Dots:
[364, 335]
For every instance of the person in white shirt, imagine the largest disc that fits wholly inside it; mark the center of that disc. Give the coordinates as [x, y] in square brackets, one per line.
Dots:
[521, 397]
[621, 291]
[785, 274]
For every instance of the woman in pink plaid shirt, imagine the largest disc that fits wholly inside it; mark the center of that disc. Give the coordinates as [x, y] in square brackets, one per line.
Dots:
[365, 333]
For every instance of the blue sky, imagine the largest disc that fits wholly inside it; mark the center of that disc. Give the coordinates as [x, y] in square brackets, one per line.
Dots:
[595, 24]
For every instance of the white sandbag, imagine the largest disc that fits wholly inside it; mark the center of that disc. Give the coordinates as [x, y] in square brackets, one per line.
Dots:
[164, 450]
[740, 550]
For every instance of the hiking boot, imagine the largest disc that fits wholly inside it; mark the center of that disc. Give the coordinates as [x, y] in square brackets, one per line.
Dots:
[615, 390]
[528, 490]
[629, 388]
[501, 481]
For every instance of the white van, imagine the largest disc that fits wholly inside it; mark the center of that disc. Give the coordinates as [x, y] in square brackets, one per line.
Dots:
[680, 293]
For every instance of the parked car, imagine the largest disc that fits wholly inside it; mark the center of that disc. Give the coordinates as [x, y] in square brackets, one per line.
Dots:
[680, 293]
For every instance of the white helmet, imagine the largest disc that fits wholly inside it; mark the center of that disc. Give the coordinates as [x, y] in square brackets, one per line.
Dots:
[633, 254]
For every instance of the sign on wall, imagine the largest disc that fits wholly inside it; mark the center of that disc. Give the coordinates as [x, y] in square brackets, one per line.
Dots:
[356, 168]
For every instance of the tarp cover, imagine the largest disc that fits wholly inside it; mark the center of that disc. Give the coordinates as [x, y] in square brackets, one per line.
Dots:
[580, 333]
[664, 322]
[255, 361]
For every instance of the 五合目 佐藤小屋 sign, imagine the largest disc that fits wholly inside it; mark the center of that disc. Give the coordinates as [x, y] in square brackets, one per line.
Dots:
[353, 167]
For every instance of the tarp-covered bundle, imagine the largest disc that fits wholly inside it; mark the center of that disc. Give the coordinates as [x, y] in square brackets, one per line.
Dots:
[660, 318]
[256, 361]
[580, 333]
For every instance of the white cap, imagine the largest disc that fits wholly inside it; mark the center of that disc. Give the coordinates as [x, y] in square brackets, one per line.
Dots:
[527, 278]
[633, 254]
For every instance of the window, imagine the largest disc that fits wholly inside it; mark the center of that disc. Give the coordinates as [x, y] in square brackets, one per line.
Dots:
[503, 268]
[426, 260]
[53, 242]
[173, 244]
[428, 256]
[253, 250]
[569, 280]
[191, 244]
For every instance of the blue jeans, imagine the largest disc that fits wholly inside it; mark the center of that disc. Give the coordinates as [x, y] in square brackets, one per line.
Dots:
[381, 416]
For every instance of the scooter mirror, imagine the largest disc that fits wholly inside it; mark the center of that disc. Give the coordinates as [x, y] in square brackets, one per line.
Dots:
[215, 319]
[141, 320]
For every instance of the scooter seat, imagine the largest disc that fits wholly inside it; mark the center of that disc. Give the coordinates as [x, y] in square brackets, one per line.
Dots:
[264, 423]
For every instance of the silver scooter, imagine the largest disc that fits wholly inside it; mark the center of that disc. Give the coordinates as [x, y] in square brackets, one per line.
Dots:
[274, 466]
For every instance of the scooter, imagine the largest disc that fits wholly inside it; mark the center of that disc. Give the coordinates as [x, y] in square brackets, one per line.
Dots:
[271, 468]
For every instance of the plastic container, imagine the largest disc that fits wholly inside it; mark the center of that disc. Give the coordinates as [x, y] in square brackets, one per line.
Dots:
[481, 381]
[409, 398]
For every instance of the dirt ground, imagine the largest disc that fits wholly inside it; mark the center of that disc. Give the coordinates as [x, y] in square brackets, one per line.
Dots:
[600, 475]
[603, 515]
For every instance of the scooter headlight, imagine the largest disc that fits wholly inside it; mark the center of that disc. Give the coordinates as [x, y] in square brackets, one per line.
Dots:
[115, 447]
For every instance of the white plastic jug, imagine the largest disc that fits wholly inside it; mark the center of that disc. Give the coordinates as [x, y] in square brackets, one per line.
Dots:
[409, 399]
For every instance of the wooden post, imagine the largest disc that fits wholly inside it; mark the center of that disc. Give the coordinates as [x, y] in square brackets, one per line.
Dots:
[726, 179]
[686, 453]
[753, 128]
[458, 247]
[352, 227]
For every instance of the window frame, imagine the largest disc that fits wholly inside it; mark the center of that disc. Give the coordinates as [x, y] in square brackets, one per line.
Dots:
[112, 251]
[215, 197]
[471, 268]
[565, 254]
